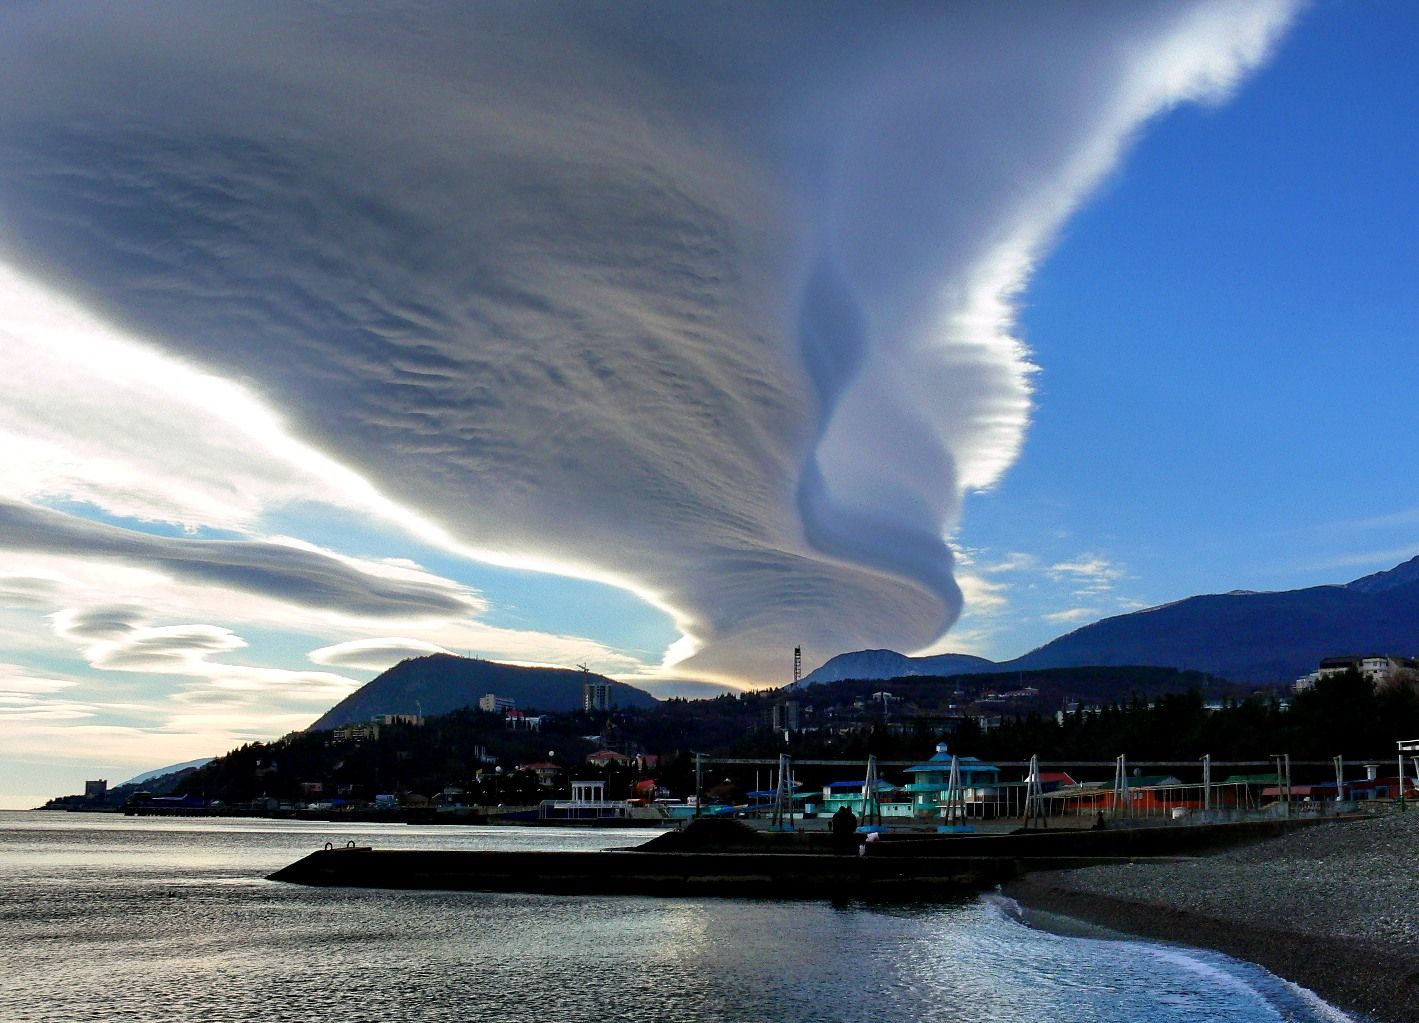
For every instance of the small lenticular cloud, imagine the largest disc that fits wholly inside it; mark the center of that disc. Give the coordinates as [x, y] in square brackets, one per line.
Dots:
[373, 654]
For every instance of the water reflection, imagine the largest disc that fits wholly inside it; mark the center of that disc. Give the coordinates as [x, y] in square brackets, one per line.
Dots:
[107, 919]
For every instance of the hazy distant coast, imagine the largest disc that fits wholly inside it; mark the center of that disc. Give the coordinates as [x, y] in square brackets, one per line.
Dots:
[1334, 909]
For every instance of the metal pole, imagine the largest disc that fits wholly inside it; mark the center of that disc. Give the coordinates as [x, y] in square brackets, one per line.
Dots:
[1340, 779]
[1207, 782]
[699, 783]
[1288, 784]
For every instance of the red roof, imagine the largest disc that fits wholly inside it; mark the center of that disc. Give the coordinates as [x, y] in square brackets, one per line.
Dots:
[607, 754]
[539, 767]
[1056, 776]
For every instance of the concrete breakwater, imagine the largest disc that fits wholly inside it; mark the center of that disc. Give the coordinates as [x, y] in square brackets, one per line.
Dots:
[627, 872]
[729, 860]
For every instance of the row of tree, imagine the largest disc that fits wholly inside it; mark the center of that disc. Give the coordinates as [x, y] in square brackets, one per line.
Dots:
[1344, 714]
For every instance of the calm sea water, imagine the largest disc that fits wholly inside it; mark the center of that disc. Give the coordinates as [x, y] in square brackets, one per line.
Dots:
[108, 918]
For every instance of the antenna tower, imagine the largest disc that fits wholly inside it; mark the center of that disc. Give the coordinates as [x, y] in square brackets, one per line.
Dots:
[797, 664]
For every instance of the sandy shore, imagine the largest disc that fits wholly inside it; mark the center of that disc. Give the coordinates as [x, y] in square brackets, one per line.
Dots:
[1333, 908]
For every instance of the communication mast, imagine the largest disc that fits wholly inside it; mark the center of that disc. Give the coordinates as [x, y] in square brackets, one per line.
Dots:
[797, 664]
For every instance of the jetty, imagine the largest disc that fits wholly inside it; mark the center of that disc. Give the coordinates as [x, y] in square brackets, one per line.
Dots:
[724, 858]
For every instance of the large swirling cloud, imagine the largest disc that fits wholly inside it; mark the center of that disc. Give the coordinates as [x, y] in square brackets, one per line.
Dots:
[715, 301]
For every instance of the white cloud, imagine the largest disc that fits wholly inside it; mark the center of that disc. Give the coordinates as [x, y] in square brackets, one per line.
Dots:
[16, 680]
[1015, 561]
[983, 596]
[1097, 574]
[374, 654]
[1072, 614]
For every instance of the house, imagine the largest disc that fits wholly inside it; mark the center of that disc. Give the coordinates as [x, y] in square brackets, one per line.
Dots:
[546, 772]
[607, 758]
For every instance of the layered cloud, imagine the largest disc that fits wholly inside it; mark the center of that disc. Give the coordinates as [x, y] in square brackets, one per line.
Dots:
[289, 572]
[712, 303]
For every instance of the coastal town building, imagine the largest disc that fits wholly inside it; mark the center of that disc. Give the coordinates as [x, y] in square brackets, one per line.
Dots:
[386, 720]
[607, 758]
[930, 787]
[492, 703]
[517, 721]
[1378, 668]
[784, 716]
[588, 802]
[595, 696]
[367, 731]
[545, 772]
[891, 800]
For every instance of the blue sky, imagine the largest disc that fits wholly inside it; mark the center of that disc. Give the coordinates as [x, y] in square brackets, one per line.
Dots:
[1226, 336]
[497, 330]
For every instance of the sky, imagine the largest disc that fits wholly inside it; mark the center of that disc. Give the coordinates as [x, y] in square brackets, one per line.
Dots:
[664, 338]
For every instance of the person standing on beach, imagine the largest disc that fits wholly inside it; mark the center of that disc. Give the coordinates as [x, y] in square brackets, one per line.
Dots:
[844, 827]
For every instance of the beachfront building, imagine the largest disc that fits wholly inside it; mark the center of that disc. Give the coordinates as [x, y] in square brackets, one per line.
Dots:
[892, 800]
[930, 787]
[588, 802]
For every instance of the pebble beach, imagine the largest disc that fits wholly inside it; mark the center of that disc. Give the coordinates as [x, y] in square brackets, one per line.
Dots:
[1334, 908]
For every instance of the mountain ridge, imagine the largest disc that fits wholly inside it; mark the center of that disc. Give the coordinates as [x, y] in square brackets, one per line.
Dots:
[440, 683]
[1243, 635]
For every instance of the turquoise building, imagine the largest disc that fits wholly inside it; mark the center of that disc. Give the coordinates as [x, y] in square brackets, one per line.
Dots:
[931, 783]
[892, 800]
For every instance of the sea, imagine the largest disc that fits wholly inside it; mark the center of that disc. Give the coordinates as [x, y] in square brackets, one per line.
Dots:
[110, 918]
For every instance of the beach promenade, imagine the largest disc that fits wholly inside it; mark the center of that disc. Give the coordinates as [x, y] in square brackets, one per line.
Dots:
[1334, 909]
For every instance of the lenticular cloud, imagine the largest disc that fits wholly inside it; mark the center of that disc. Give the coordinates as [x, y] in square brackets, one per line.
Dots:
[712, 301]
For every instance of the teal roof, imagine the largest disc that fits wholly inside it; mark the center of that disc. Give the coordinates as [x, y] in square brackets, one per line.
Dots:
[1251, 779]
[966, 764]
[1152, 781]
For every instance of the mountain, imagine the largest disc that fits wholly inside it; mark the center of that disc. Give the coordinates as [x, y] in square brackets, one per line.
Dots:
[159, 772]
[1242, 635]
[440, 683]
[890, 664]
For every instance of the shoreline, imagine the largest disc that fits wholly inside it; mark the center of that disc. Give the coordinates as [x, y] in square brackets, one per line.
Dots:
[1335, 911]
